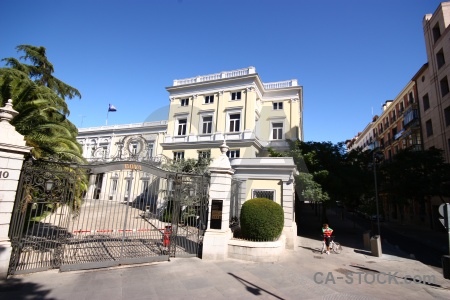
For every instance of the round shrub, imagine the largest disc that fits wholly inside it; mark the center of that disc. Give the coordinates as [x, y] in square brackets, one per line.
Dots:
[261, 219]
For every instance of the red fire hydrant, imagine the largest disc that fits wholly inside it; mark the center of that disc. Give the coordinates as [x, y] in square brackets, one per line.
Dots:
[167, 233]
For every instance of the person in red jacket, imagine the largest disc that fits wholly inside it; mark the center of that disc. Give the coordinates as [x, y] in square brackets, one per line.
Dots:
[327, 232]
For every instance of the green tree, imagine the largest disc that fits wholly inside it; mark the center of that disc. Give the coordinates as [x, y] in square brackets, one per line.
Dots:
[41, 70]
[329, 172]
[415, 175]
[188, 166]
[39, 97]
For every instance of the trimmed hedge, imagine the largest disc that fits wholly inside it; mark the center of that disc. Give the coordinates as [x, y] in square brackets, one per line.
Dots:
[261, 219]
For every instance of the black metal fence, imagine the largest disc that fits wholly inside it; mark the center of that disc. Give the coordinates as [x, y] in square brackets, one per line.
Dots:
[80, 217]
[235, 202]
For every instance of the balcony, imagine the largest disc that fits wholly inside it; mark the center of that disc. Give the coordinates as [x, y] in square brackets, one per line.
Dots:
[218, 136]
[399, 134]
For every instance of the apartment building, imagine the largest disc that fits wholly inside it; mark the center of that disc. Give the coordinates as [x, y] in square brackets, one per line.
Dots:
[364, 140]
[235, 106]
[419, 117]
[396, 128]
[433, 84]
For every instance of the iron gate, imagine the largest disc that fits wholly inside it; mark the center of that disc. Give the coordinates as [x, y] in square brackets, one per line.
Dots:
[80, 217]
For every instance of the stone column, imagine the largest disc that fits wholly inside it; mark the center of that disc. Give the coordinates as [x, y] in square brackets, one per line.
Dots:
[218, 233]
[290, 226]
[12, 152]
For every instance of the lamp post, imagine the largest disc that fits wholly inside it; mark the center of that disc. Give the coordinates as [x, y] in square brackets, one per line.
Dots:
[377, 157]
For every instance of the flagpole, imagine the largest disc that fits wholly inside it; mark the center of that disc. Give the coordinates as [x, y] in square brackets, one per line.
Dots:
[110, 108]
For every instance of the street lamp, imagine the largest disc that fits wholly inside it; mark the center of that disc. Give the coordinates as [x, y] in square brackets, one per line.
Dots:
[49, 185]
[377, 158]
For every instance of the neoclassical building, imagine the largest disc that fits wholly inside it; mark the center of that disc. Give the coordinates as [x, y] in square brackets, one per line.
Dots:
[233, 107]
[236, 106]
[105, 143]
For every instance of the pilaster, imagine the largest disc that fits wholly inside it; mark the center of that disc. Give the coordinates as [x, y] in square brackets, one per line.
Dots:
[218, 233]
[12, 152]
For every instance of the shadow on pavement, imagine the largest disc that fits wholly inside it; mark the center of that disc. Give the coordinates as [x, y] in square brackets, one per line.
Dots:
[15, 288]
[252, 288]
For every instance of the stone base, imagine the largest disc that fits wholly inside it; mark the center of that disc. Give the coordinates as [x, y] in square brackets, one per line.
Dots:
[5, 256]
[291, 236]
[215, 244]
[257, 251]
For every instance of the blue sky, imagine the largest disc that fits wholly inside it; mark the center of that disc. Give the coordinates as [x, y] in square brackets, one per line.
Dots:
[350, 56]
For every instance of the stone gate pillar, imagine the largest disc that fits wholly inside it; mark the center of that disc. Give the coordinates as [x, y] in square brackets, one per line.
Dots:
[218, 233]
[12, 152]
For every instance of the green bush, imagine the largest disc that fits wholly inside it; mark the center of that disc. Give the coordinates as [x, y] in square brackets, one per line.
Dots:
[261, 219]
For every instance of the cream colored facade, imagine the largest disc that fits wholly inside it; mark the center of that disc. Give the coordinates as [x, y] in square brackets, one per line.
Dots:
[129, 142]
[434, 90]
[235, 106]
[105, 143]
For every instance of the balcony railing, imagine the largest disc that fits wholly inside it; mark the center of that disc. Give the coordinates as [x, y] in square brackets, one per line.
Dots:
[280, 84]
[216, 76]
[124, 126]
[235, 73]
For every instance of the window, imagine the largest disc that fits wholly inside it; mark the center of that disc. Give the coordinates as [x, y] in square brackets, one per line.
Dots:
[178, 155]
[269, 194]
[145, 187]
[206, 124]
[277, 131]
[429, 127]
[447, 116]
[402, 107]
[184, 102]
[411, 97]
[436, 32]
[104, 151]
[209, 99]
[426, 102]
[182, 127]
[233, 153]
[114, 186]
[277, 105]
[127, 186]
[150, 150]
[133, 148]
[235, 120]
[440, 59]
[204, 154]
[444, 86]
[236, 96]
[394, 132]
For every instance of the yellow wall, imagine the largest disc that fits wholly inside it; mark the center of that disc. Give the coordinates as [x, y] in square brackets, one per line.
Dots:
[259, 184]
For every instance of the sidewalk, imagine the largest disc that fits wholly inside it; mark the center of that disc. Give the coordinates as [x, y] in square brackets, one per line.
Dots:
[300, 274]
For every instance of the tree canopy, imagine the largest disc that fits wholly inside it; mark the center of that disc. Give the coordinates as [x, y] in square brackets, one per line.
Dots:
[328, 171]
[39, 97]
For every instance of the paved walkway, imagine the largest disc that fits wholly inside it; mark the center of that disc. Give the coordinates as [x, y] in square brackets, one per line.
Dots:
[300, 274]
